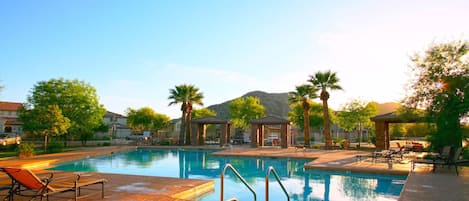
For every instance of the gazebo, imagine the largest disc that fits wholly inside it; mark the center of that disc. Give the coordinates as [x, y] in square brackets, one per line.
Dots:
[382, 127]
[258, 127]
[199, 129]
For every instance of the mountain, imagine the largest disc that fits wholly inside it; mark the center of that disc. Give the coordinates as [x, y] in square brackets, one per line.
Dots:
[388, 107]
[276, 104]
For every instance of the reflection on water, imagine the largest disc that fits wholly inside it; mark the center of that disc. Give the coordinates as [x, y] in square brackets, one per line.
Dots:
[198, 164]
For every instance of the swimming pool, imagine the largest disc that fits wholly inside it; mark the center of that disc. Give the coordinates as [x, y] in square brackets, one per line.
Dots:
[200, 164]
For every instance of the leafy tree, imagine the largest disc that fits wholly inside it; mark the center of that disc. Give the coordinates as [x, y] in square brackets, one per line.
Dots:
[441, 87]
[44, 121]
[356, 115]
[325, 81]
[146, 119]
[203, 112]
[141, 119]
[161, 121]
[187, 95]
[397, 130]
[243, 110]
[316, 119]
[302, 95]
[315, 115]
[418, 129]
[76, 100]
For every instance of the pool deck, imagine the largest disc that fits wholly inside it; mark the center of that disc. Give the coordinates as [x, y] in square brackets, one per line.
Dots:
[444, 184]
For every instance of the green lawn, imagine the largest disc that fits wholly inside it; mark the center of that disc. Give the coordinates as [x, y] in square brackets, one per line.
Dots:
[5, 154]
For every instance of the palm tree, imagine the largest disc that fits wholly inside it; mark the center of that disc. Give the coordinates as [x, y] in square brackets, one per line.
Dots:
[187, 95]
[302, 95]
[324, 81]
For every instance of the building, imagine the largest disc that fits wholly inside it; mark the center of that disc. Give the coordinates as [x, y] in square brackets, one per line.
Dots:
[117, 126]
[9, 122]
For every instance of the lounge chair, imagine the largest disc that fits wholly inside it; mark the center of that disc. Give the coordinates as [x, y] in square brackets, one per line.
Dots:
[23, 181]
[388, 155]
[384, 154]
[442, 159]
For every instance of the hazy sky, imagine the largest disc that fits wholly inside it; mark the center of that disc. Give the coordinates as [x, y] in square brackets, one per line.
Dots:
[133, 52]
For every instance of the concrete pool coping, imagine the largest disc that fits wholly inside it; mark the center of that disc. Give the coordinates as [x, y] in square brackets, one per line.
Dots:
[338, 160]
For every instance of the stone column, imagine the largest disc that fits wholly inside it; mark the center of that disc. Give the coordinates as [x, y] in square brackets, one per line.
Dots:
[223, 134]
[260, 128]
[254, 130]
[380, 135]
[228, 133]
[201, 134]
[195, 134]
[283, 136]
[386, 132]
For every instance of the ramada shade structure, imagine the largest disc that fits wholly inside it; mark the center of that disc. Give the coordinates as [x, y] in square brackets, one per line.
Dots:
[199, 131]
[257, 130]
[382, 127]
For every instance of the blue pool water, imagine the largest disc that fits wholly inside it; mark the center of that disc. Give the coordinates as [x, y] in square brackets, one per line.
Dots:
[301, 184]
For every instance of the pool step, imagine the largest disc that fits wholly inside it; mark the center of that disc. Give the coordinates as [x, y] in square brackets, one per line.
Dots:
[233, 199]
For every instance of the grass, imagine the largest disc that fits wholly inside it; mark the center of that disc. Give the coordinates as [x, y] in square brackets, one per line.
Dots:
[7, 154]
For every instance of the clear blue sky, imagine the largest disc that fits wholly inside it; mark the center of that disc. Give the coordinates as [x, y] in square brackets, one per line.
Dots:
[133, 52]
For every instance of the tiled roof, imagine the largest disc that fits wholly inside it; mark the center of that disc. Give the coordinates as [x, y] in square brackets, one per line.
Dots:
[9, 106]
[112, 114]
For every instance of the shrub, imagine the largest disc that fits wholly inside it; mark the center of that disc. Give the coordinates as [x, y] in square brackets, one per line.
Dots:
[316, 146]
[10, 147]
[372, 139]
[465, 154]
[106, 144]
[55, 147]
[25, 150]
[337, 140]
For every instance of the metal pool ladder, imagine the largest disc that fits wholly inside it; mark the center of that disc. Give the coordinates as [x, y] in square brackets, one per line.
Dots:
[222, 175]
[269, 170]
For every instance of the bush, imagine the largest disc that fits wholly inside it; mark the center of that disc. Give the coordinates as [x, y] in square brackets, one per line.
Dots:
[337, 140]
[106, 144]
[55, 147]
[372, 139]
[25, 150]
[10, 147]
[465, 154]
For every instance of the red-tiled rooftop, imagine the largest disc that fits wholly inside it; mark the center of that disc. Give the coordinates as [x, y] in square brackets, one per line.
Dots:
[9, 106]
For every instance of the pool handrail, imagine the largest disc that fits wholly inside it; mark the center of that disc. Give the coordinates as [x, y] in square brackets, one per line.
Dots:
[222, 175]
[269, 170]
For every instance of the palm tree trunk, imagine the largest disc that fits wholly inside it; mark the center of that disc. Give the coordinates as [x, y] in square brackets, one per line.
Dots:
[327, 130]
[188, 128]
[183, 128]
[306, 126]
